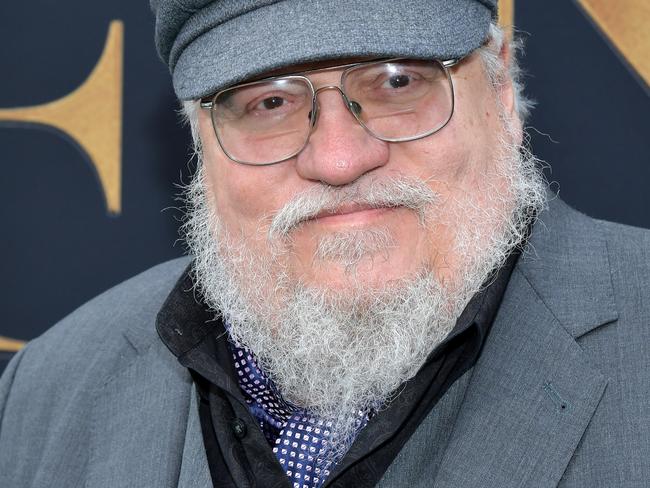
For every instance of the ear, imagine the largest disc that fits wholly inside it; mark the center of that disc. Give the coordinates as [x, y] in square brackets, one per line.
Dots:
[506, 90]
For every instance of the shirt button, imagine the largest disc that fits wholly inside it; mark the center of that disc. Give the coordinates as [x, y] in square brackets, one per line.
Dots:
[239, 428]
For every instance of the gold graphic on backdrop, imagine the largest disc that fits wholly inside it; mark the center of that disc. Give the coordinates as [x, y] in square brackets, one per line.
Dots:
[10, 345]
[627, 24]
[507, 13]
[92, 116]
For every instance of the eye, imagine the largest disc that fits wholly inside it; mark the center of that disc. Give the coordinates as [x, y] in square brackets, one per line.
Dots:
[271, 103]
[399, 81]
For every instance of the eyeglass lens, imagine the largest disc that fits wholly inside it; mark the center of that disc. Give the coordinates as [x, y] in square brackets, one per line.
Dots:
[269, 121]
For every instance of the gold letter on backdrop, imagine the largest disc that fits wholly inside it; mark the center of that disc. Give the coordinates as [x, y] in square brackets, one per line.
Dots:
[507, 14]
[92, 116]
[626, 24]
[10, 345]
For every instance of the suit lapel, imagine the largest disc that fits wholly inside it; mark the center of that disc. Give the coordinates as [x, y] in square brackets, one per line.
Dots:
[140, 420]
[534, 390]
[531, 396]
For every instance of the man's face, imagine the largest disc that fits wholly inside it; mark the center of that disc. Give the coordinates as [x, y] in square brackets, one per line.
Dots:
[343, 308]
[458, 164]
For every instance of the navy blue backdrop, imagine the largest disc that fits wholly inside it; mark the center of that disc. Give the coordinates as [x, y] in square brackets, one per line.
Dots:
[59, 246]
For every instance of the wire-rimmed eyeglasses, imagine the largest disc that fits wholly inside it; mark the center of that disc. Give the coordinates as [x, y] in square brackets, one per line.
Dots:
[270, 120]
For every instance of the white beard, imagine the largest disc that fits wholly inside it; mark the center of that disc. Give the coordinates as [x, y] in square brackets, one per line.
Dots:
[336, 354]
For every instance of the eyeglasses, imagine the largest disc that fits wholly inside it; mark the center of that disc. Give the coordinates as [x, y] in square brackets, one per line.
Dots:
[269, 121]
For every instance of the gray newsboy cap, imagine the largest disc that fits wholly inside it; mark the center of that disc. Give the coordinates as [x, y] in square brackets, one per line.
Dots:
[209, 45]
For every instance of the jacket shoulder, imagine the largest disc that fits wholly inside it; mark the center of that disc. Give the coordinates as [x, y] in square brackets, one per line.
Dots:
[588, 272]
[94, 337]
[628, 246]
[562, 218]
[130, 304]
[50, 392]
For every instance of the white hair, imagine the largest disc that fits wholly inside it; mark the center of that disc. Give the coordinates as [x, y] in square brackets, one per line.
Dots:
[498, 73]
[189, 113]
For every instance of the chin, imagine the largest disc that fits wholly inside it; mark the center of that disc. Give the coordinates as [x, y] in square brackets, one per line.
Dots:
[376, 272]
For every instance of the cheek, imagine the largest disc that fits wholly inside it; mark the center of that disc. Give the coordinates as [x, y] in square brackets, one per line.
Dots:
[471, 146]
[459, 162]
[443, 160]
[243, 195]
[231, 186]
[236, 191]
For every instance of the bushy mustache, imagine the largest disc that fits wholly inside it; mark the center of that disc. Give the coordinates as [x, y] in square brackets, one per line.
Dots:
[392, 192]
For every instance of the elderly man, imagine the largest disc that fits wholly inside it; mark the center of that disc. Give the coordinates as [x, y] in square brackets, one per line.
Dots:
[381, 293]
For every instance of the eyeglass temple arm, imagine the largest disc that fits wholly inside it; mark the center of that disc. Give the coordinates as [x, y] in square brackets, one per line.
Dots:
[447, 63]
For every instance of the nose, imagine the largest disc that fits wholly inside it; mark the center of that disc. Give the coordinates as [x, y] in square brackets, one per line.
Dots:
[339, 150]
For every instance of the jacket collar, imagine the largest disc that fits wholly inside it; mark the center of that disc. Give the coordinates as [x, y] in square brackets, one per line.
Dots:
[567, 265]
[534, 390]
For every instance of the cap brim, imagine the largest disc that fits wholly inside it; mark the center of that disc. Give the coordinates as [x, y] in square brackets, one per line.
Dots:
[289, 33]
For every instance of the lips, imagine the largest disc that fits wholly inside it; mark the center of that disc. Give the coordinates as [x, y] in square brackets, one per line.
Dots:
[350, 213]
[344, 210]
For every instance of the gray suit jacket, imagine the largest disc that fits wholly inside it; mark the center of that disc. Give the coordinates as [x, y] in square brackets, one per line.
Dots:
[559, 397]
